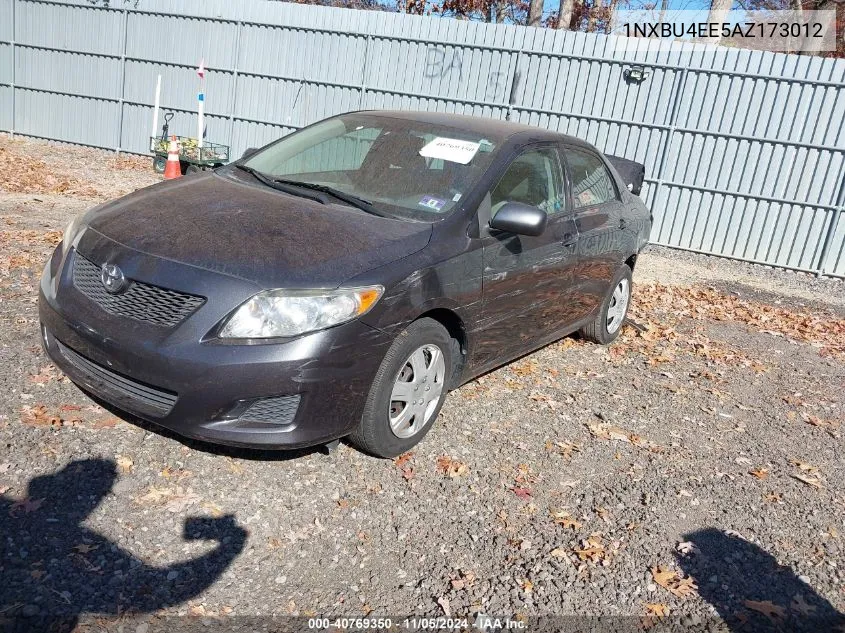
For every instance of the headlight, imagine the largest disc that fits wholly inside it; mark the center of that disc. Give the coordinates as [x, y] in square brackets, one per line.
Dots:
[70, 232]
[278, 313]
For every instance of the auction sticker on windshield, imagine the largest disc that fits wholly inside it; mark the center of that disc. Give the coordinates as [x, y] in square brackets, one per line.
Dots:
[451, 149]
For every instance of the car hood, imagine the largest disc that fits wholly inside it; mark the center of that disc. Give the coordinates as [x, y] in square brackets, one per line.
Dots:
[226, 224]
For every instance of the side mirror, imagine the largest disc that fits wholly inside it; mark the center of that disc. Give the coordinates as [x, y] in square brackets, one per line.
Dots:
[249, 152]
[522, 219]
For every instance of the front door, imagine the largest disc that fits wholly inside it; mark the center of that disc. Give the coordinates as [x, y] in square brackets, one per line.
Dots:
[526, 278]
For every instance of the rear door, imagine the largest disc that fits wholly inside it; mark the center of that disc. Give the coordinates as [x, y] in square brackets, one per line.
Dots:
[598, 213]
[526, 278]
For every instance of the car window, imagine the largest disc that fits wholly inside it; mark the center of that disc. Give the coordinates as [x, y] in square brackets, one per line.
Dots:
[591, 182]
[533, 178]
[339, 153]
[406, 168]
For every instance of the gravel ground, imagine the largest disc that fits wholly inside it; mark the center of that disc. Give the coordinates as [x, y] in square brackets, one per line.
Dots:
[690, 474]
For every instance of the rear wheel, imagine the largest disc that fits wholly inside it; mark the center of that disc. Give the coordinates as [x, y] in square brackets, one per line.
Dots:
[159, 163]
[408, 390]
[613, 310]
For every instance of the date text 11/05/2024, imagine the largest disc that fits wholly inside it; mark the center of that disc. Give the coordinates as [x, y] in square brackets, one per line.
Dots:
[481, 623]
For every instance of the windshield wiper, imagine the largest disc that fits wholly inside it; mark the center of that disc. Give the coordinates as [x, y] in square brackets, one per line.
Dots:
[295, 187]
[282, 186]
[348, 198]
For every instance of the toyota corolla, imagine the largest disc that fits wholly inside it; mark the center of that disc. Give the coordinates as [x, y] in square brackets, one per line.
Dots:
[341, 280]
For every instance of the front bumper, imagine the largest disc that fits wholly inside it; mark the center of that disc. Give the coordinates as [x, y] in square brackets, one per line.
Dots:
[206, 389]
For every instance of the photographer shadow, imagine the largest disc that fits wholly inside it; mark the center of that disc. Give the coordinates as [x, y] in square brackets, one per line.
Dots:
[53, 569]
[751, 591]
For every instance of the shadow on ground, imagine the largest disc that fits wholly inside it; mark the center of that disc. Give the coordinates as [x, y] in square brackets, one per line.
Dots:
[751, 591]
[53, 569]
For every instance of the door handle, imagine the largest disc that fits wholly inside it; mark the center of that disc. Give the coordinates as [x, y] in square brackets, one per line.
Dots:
[569, 239]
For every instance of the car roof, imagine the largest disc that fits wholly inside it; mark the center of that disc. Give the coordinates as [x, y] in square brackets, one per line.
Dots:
[482, 126]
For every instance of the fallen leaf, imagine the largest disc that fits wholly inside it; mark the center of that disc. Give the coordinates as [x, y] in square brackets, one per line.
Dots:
[759, 473]
[26, 506]
[804, 466]
[815, 482]
[562, 518]
[38, 416]
[563, 448]
[403, 458]
[687, 547]
[213, 509]
[672, 581]
[84, 548]
[105, 423]
[451, 467]
[522, 493]
[558, 553]
[124, 463]
[174, 499]
[443, 601]
[659, 610]
[605, 431]
[44, 375]
[799, 605]
[768, 608]
[591, 549]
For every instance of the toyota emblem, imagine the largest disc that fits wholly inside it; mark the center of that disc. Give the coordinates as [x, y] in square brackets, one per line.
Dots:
[113, 279]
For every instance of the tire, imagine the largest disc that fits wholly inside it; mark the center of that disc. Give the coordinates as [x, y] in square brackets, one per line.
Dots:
[159, 163]
[605, 328]
[193, 169]
[389, 426]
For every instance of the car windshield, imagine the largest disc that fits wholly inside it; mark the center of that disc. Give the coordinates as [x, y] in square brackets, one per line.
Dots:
[403, 168]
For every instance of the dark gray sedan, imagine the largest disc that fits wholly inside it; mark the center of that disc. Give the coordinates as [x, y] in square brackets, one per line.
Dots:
[339, 281]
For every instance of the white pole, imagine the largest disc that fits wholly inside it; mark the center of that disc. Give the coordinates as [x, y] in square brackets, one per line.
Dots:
[200, 113]
[200, 104]
[155, 107]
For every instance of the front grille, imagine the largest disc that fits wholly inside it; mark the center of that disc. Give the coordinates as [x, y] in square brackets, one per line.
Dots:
[124, 392]
[143, 302]
[280, 411]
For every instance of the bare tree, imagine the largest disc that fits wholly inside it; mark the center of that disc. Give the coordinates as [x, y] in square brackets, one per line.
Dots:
[595, 13]
[535, 13]
[565, 14]
[718, 13]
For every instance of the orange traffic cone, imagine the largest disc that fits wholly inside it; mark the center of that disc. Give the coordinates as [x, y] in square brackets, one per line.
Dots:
[173, 169]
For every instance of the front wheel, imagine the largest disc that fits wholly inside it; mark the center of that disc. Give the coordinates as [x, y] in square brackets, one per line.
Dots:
[613, 310]
[407, 392]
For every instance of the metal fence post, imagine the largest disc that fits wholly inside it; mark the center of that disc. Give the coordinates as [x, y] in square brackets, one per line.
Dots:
[514, 85]
[831, 229]
[14, 64]
[363, 94]
[122, 79]
[670, 134]
[235, 74]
